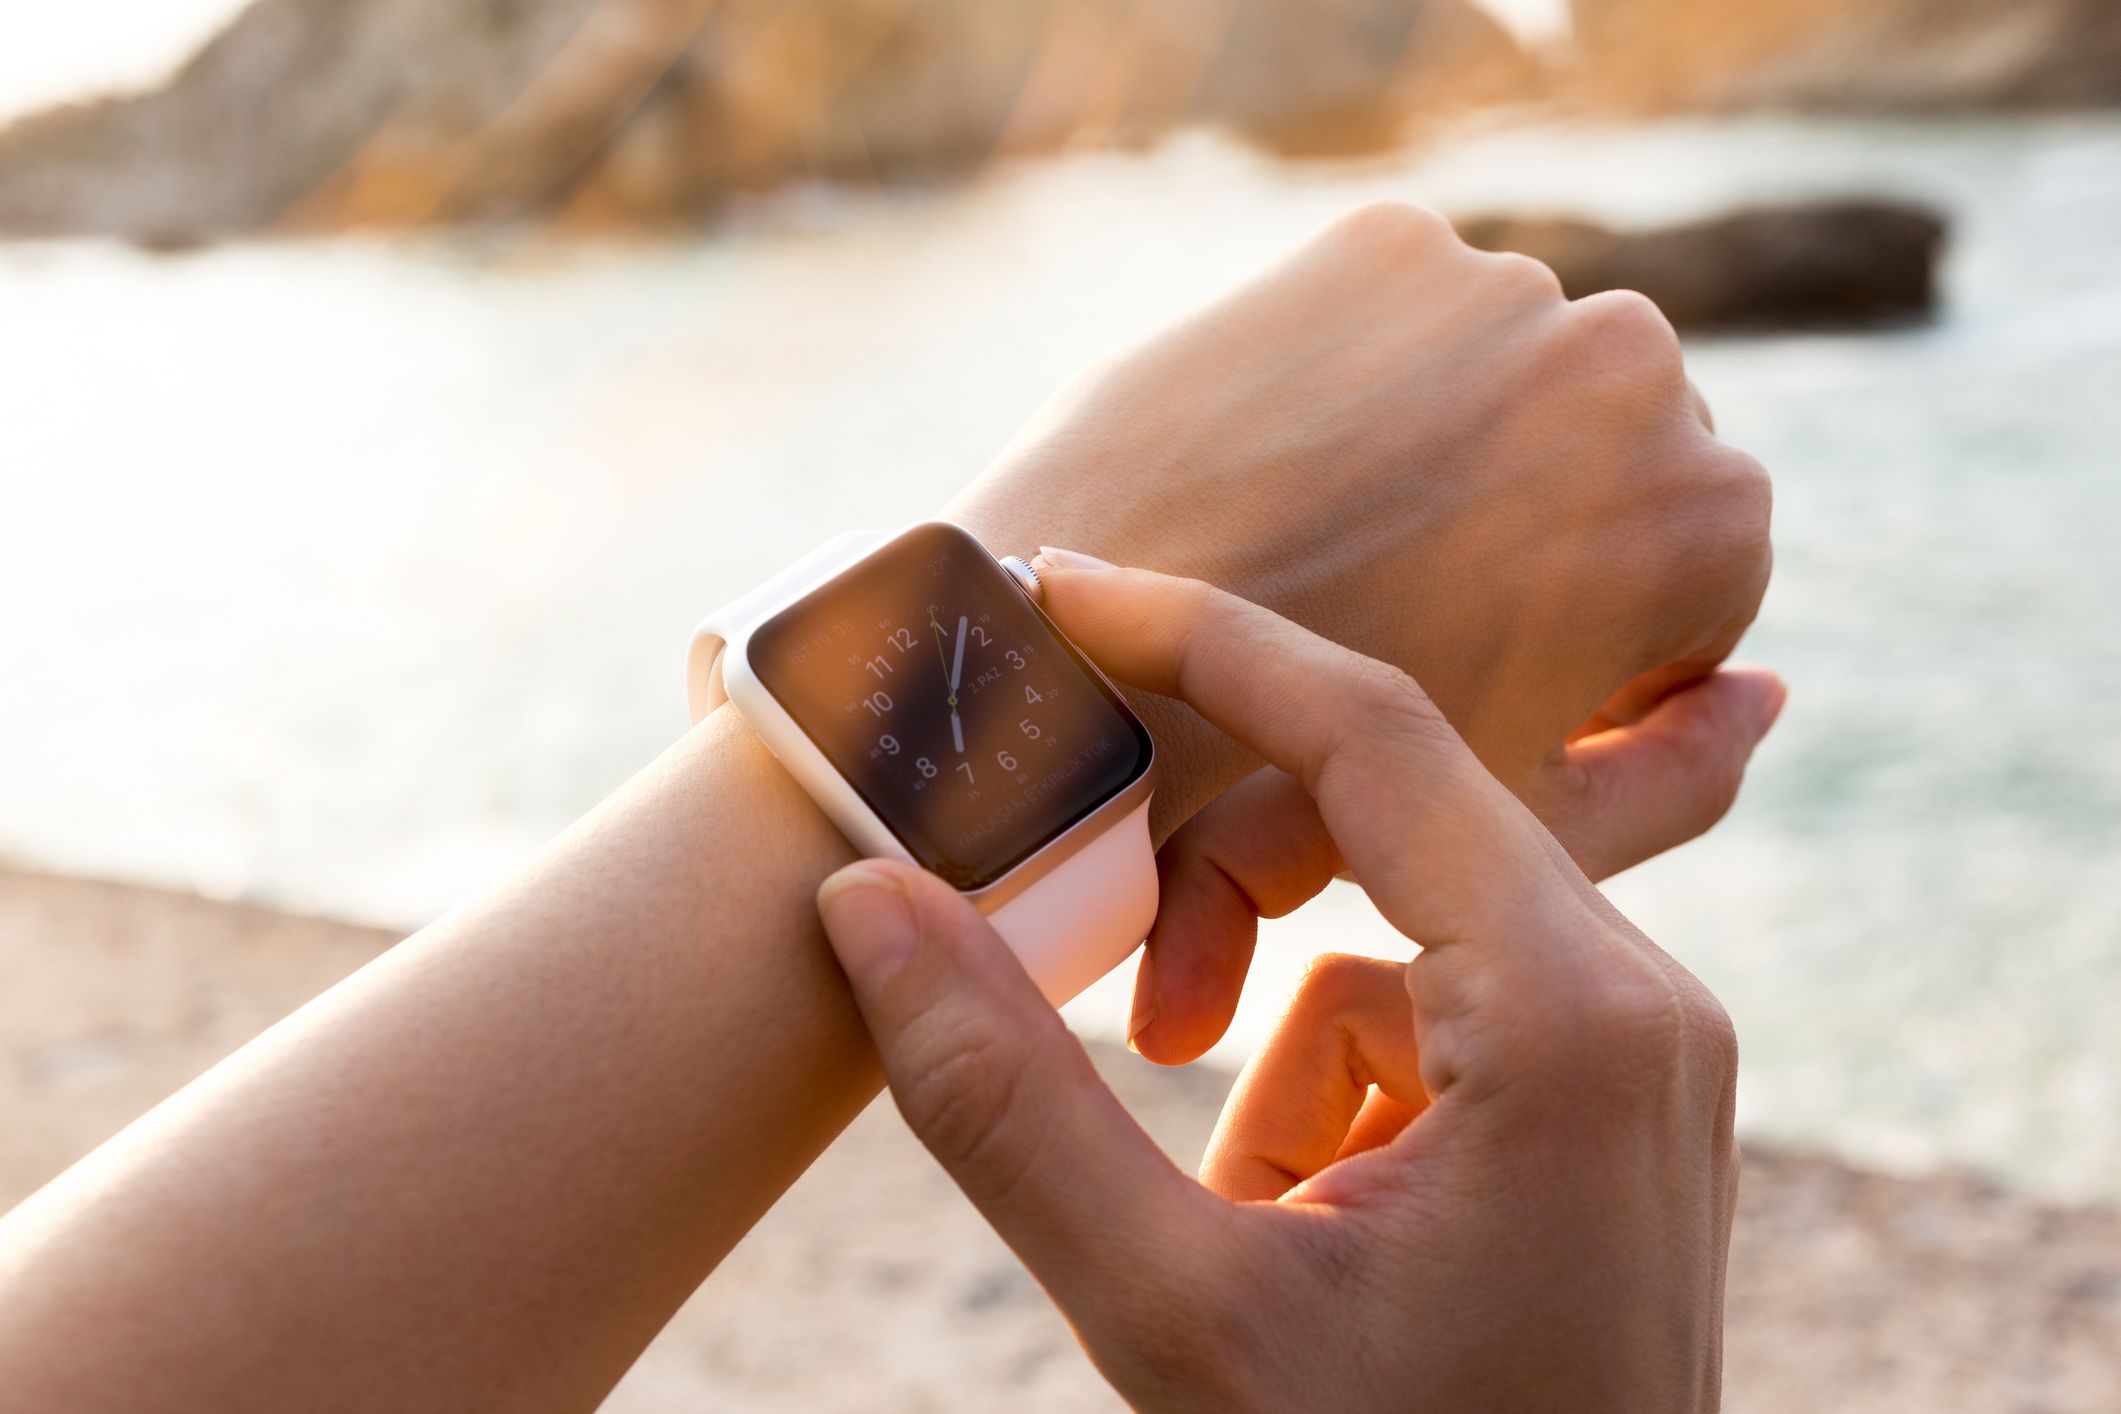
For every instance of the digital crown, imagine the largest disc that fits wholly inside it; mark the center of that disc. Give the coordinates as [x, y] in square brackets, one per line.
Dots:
[1026, 577]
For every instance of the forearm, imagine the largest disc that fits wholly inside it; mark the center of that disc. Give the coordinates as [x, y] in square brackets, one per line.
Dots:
[484, 1171]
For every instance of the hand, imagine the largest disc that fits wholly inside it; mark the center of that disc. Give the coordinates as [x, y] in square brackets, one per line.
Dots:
[1614, 795]
[1424, 452]
[1499, 1177]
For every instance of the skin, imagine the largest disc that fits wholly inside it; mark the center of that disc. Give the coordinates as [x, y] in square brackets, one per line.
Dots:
[1498, 1177]
[483, 1172]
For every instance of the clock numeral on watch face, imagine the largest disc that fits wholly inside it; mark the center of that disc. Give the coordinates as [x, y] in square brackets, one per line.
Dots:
[888, 745]
[881, 665]
[966, 767]
[1032, 694]
[979, 636]
[878, 703]
[1005, 760]
[927, 768]
[1016, 659]
[1030, 729]
[902, 640]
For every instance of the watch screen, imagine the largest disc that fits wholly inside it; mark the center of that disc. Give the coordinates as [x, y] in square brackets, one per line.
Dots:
[950, 704]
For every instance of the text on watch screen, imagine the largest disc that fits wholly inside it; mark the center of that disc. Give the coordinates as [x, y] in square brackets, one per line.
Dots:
[971, 728]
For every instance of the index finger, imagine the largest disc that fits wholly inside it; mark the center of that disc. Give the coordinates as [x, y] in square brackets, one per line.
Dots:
[1441, 847]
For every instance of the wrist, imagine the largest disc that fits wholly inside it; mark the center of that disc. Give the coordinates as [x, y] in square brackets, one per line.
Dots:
[1041, 498]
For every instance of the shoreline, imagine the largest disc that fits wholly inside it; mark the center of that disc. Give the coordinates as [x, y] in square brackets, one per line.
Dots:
[873, 1284]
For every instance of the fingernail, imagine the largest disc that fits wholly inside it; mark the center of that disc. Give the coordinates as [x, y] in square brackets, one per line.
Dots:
[1073, 559]
[870, 922]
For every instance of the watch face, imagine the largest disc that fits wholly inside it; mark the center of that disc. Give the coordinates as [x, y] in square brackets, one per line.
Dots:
[946, 699]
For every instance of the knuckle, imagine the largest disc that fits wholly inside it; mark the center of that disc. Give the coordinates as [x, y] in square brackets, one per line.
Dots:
[1733, 501]
[1201, 599]
[1627, 328]
[1711, 1032]
[1387, 698]
[1753, 496]
[1335, 982]
[1195, 602]
[965, 1082]
[1632, 1015]
[1644, 1026]
[1389, 712]
[1625, 313]
[1384, 721]
[1526, 274]
[1392, 230]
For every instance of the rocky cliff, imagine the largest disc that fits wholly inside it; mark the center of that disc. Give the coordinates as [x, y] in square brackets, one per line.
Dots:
[330, 113]
[1849, 55]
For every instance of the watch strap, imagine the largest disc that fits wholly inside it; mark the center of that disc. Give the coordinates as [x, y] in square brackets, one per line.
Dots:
[1089, 914]
[703, 666]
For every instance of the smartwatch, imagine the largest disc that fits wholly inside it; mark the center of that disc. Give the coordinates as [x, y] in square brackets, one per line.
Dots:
[913, 686]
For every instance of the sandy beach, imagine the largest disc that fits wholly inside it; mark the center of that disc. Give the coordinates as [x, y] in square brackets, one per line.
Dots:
[873, 1286]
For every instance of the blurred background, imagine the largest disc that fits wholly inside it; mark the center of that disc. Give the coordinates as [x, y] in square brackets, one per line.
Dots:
[386, 386]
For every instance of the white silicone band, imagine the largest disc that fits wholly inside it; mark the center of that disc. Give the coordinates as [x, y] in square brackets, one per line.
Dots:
[1071, 926]
[1088, 915]
[703, 678]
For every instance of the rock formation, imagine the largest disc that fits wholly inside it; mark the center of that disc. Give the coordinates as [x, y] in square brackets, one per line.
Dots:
[1826, 264]
[329, 114]
[1848, 55]
[334, 113]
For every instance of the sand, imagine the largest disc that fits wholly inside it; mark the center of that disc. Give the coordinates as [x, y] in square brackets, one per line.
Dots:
[872, 1286]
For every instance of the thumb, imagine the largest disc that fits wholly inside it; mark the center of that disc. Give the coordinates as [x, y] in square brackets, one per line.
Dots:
[1631, 792]
[1001, 1093]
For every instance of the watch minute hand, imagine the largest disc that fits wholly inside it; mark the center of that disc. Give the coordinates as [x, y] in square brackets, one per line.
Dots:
[940, 660]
